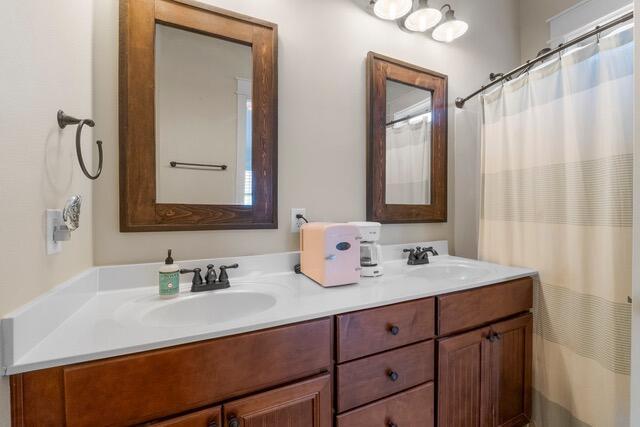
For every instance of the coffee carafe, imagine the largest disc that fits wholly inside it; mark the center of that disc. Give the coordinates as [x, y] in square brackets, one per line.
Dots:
[370, 251]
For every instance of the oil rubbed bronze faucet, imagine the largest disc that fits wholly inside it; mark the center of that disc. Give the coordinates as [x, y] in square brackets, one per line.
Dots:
[419, 256]
[212, 281]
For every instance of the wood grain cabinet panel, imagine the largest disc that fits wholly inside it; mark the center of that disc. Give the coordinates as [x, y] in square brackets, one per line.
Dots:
[485, 376]
[305, 404]
[412, 408]
[366, 332]
[468, 309]
[512, 366]
[365, 380]
[463, 383]
[142, 387]
[210, 417]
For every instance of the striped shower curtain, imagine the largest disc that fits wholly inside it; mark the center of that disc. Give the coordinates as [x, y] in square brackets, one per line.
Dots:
[557, 197]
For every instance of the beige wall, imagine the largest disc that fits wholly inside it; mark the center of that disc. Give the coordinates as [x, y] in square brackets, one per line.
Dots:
[45, 52]
[534, 30]
[322, 50]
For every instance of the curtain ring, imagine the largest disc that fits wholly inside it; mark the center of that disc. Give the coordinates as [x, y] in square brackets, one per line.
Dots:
[91, 124]
[598, 35]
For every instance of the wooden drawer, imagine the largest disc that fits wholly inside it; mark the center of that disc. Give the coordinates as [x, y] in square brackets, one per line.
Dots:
[210, 417]
[143, 387]
[468, 309]
[365, 380]
[412, 408]
[370, 331]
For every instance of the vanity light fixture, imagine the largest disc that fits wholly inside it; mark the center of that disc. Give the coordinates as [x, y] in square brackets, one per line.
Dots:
[391, 9]
[451, 28]
[422, 17]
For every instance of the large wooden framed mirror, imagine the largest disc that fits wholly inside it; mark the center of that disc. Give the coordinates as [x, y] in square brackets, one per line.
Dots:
[406, 142]
[198, 118]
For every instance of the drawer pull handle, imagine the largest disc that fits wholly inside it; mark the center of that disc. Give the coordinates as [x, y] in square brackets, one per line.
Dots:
[392, 424]
[393, 375]
[493, 337]
[232, 421]
[395, 330]
[212, 423]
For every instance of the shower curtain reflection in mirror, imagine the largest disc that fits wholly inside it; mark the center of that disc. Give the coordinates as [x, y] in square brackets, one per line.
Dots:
[408, 145]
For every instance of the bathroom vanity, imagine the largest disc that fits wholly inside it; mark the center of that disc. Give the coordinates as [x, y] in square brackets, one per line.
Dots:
[413, 356]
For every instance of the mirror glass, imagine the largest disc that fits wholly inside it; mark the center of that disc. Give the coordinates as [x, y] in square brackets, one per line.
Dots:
[408, 144]
[203, 119]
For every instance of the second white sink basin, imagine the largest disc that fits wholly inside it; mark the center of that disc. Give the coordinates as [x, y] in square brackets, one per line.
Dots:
[208, 308]
[451, 272]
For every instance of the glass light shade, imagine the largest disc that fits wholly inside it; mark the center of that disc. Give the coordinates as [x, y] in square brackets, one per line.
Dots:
[422, 19]
[450, 29]
[392, 9]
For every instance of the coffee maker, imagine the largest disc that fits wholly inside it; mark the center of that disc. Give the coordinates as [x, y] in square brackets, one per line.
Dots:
[370, 250]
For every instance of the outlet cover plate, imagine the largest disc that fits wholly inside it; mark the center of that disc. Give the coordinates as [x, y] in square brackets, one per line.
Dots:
[54, 217]
[295, 222]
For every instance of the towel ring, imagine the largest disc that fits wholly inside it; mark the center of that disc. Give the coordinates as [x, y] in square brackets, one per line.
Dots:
[63, 121]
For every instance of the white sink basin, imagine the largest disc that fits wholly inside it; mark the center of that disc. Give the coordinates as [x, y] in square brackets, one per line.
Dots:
[451, 272]
[208, 308]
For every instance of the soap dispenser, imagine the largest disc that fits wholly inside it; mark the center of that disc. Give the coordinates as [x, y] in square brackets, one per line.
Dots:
[169, 278]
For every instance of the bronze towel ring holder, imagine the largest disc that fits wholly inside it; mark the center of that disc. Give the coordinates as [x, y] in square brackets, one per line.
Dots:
[63, 121]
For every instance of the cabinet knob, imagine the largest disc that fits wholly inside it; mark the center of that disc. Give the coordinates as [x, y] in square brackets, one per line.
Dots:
[212, 423]
[232, 421]
[395, 330]
[393, 375]
[392, 424]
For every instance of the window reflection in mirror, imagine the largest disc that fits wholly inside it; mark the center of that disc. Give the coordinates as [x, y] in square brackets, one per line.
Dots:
[408, 144]
[203, 119]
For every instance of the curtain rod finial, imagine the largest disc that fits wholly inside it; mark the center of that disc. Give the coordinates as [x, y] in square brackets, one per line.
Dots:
[460, 102]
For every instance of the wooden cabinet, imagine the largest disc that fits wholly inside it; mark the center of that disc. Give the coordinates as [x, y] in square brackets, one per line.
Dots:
[305, 404]
[366, 332]
[412, 408]
[384, 361]
[485, 376]
[153, 385]
[365, 380]
[210, 417]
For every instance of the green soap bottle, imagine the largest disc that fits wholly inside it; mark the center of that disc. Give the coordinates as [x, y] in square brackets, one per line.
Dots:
[169, 278]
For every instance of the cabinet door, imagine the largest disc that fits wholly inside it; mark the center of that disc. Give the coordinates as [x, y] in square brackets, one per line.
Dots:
[307, 404]
[511, 371]
[464, 367]
[210, 417]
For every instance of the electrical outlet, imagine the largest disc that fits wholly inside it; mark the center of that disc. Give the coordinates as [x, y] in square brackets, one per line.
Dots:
[54, 218]
[295, 222]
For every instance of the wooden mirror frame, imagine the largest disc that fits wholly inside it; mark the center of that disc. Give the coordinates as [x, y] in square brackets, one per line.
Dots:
[380, 69]
[138, 208]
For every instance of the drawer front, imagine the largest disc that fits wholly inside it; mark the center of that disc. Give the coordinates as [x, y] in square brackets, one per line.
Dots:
[138, 388]
[211, 417]
[372, 331]
[468, 309]
[365, 380]
[412, 408]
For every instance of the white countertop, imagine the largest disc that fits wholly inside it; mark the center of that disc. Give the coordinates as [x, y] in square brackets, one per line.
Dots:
[100, 313]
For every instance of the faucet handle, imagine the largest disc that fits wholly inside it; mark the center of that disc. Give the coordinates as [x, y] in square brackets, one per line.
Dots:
[224, 277]
[197, 278]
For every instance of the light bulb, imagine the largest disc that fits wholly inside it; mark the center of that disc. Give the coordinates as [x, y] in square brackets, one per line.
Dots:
[422, 19]
[450, 29]
[392, 9]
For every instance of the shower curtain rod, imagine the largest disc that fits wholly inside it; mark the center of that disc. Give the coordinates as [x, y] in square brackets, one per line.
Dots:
[542, 56]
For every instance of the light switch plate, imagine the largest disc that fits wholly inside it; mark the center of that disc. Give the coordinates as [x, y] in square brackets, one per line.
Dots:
[54, 218]
[295, 222]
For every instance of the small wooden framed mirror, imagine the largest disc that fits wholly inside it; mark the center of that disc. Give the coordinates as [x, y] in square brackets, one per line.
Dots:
[406, 142]
[198, 118]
